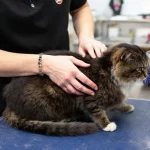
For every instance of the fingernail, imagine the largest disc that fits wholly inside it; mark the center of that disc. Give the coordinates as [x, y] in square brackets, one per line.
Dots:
[92, 93]
[96, 88]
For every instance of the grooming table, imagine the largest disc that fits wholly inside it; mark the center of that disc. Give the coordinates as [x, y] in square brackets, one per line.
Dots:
[133, 133]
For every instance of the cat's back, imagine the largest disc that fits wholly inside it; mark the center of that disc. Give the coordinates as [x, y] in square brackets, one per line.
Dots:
[86, 59]
[22, 88]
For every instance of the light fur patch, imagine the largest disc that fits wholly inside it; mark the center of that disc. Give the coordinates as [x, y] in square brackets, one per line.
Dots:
[111, 127]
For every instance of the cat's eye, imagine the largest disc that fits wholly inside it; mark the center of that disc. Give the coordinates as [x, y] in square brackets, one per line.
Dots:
[138, 69]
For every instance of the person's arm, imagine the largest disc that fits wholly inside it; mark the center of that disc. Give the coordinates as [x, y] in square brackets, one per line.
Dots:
[14, 64]
[84, 27]
[60, 69]
[83, 22]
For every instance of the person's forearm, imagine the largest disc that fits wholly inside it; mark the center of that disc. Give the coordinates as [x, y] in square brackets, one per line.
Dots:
[13, 64]
[83, 22]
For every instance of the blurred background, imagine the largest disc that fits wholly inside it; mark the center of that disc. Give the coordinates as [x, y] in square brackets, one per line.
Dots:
[119, 21]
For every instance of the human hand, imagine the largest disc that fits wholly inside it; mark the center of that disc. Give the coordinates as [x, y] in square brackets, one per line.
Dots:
[62, 71]
[92, 46]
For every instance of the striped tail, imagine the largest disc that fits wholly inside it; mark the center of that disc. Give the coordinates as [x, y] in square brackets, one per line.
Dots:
[49, 127]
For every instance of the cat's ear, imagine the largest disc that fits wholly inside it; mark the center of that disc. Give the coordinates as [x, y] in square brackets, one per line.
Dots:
[145, 49]
[126, 56]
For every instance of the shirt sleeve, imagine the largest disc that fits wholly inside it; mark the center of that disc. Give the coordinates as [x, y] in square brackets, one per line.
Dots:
[75, 4]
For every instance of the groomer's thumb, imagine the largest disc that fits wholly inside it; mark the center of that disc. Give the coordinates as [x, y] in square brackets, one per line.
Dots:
[79, 62]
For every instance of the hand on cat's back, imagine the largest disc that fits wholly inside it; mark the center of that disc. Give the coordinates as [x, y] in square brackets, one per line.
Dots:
[93, 47]
[67, 75]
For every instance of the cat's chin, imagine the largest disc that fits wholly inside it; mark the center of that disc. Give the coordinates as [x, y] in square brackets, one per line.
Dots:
[121, 80]
[126, 83]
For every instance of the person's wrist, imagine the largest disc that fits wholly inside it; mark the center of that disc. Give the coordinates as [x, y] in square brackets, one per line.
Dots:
[83, 37]
[40, 65]
[46, 64]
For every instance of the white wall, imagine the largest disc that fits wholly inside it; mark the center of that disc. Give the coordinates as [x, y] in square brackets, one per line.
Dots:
[130, 7]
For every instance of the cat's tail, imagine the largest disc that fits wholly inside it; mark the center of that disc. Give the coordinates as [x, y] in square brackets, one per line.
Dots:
[49, 127]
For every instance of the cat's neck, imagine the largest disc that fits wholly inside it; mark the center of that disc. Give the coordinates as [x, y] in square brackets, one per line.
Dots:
[106, 61]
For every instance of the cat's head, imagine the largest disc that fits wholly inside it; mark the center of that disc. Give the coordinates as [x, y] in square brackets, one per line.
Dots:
[130, 62]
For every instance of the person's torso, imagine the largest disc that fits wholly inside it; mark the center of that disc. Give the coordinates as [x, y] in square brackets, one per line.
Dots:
[25, 29]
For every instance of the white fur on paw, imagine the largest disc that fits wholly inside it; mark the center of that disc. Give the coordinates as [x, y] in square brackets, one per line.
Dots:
[111, 127]
[132, 108]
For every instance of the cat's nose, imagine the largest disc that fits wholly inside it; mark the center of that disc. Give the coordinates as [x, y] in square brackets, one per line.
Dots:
[145, 74]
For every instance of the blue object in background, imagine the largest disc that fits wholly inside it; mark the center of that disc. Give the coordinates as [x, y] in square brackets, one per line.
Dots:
[133, 133]
[146, 81]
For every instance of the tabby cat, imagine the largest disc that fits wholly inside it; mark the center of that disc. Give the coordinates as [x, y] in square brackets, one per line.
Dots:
[38, 105]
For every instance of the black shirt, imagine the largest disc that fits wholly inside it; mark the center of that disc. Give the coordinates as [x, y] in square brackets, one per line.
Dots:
[24, 29]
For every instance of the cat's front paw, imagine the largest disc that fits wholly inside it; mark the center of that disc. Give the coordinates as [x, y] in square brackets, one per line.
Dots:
[126, 108]
[110, 127]
[131, 108]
